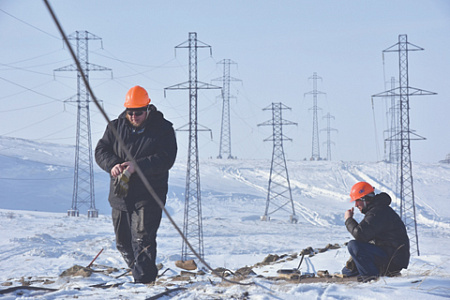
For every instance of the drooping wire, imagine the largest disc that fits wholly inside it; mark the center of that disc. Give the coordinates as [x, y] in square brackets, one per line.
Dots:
[6, 13]
[126, 150]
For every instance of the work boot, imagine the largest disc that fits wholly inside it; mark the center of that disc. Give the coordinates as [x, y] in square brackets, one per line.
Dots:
[367, 278]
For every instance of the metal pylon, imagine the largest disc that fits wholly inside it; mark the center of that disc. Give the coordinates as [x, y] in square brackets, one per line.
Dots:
[83, 186]
[407, 206]
[225, 129]
[192, 226]
[279, 192]
[328, 130]
[315, 155]
[393, 148]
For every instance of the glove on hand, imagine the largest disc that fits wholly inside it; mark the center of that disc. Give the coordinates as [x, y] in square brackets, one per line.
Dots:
[350, 264]
[121, 184]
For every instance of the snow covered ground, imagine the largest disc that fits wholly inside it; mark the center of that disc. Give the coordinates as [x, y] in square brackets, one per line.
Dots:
[38, 241]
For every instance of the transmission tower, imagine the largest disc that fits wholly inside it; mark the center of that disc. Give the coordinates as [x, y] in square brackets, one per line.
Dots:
[393, 115]
[192, 227]
[225, 130]
[83, 186]
[328, 131]
[315, 134]
[393, 141]
[407, 206]
[279, 191]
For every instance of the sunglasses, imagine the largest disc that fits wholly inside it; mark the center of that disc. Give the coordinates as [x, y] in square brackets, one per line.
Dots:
[136, 113]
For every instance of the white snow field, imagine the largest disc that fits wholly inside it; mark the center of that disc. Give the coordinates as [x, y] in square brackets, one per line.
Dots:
[39, 241]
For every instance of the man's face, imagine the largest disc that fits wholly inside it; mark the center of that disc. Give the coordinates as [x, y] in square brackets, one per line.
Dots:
[360, 204]
[136, 117]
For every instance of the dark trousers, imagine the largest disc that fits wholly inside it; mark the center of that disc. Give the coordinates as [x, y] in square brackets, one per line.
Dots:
[136, 240]
[368, 258]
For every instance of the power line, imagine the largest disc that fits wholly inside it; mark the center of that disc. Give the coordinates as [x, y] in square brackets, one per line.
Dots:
[30, 125]
[28, 24]
[32, 58]
[29, 89]
[34, 179]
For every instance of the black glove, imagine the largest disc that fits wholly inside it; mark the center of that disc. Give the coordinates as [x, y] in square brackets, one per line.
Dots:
[121, 184]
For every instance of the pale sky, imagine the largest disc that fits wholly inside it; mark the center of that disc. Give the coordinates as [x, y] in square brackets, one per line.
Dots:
[277, 46]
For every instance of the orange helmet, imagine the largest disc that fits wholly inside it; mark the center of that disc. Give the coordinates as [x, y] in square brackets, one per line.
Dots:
[359, 190]
[136, 97]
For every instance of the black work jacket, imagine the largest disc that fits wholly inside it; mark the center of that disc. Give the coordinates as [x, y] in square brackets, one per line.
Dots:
[154, 148]
[383, 227]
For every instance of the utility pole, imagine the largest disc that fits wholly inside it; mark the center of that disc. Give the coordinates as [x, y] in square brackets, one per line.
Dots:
[315, 134]
[279, 191]
[192, 227]
[225, 129]
[329, 130]
[407, 206]
[83, 186]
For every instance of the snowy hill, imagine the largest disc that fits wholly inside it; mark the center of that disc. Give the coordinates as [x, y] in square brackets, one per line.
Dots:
[39, 241]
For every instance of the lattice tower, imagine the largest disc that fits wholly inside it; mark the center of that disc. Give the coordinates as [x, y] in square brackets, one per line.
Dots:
[279, 192]
[83, 187]
[315, 133]
[328, 130]
[407, 205]
[192, 226]
[225, 129]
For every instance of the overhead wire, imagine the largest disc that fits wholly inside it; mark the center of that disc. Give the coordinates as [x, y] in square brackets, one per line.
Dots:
[126, 150]
[30, 125]
[11, 64]
[30, 90]
[28, 24]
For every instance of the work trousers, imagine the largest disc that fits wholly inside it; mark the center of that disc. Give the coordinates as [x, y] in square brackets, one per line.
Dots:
[369, 259]
[136, 240]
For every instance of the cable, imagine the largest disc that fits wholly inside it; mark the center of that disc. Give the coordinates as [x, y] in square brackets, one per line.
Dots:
[57, 114]
[28, 89]
[32, 179]
[136, 64]
[53, 36]
[127, 152]
[32, 58]
[23, 108]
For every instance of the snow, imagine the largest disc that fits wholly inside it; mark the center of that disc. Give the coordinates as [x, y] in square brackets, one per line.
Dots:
[39, 241]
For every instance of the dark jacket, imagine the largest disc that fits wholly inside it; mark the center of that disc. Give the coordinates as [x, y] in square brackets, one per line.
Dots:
[383, 227]
[153, 147]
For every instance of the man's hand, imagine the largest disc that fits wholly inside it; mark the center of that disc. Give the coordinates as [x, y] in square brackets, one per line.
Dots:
[128, 165]
[117, 170]
[349, 213]
[121, 184]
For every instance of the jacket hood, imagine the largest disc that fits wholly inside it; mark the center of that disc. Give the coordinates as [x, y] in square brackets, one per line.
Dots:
[382, 199]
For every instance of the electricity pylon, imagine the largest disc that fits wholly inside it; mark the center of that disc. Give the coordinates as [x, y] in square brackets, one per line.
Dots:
[279, 192]
[328, 131]
[192, 227]
[83, 186]
[407, 206]
[225, 129]
[393, 155]
[315, 134]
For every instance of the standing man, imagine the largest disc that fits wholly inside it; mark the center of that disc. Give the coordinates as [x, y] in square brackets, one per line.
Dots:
[381, 244]
[135, 213]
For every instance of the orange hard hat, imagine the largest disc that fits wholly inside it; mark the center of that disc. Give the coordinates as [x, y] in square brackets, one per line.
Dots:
[136, 97]
[359, 190]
